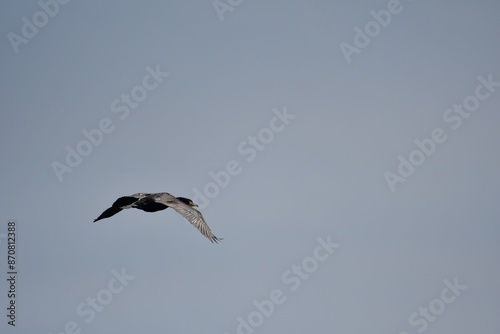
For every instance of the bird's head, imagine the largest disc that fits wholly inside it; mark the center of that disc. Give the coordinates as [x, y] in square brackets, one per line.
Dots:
[187, 201]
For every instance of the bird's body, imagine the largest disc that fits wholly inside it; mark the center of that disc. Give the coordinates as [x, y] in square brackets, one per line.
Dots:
[160, 201]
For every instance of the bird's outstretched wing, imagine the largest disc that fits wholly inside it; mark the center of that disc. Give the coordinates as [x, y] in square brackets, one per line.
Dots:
[121, 203]
[125, 201]
[194, 217]
[108, 213]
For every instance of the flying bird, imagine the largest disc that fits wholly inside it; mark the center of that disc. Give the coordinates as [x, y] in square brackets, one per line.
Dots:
[150, 202]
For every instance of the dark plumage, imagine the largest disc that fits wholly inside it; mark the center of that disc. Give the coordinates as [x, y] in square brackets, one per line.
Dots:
[121, 203]
[160, 201]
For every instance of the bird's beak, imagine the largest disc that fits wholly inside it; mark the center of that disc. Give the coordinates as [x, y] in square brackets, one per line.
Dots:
[194, 204]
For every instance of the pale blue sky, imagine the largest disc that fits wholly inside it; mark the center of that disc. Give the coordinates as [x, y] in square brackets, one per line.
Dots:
[321, 175]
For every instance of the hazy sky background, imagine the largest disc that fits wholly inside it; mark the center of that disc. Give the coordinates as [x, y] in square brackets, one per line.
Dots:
[321, 176]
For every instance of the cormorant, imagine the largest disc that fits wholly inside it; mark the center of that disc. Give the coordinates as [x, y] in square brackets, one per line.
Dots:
[152, 202]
